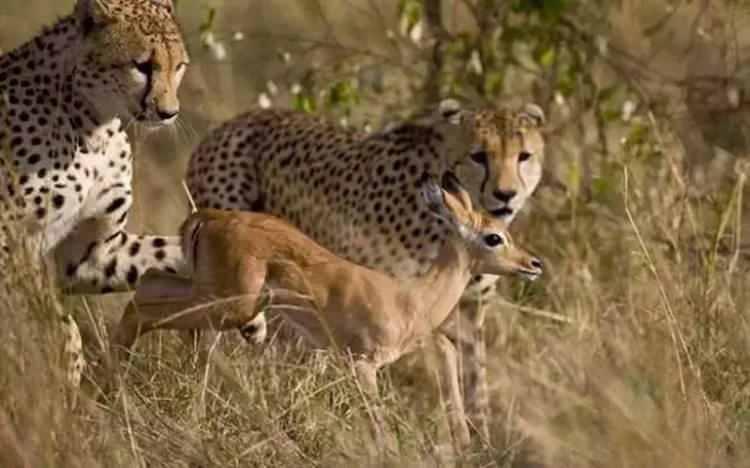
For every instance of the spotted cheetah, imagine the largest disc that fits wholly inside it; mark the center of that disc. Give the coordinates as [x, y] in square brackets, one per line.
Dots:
[365, 188]
[69, 95]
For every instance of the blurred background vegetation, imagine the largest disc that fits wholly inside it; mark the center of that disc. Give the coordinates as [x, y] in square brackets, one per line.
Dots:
[632, 351]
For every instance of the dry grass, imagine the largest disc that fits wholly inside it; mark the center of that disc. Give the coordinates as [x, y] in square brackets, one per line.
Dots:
[633, 350]
[648, 368]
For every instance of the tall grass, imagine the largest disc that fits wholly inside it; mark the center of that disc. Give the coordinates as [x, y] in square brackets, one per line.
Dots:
[632, 351]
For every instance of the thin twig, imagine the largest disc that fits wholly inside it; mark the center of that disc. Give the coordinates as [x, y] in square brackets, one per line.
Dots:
[545, 314]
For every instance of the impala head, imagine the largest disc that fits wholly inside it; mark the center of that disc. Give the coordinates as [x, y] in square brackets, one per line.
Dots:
[498, 153]
[487, 238]
[134, 60]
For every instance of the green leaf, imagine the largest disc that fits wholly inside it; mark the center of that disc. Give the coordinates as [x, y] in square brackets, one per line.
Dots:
[343, 93]
[493, 82]
[549, 9]
[410, 12]
[608, 92]
[547, 58]
[208, 23]
[611, 115]
[305, 103]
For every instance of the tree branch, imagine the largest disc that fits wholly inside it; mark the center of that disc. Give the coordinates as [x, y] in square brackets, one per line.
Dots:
[434, 34]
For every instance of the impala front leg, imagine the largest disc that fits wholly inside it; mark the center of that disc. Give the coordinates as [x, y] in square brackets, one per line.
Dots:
[450, 386]
[464, 328]
[366, 373]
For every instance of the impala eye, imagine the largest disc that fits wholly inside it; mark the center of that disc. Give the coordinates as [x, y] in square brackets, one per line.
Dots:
[523, 156]
[493, 240]
[479, 157]
[144, 67]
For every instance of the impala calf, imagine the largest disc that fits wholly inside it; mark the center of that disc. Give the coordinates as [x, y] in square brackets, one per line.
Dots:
[332, 301]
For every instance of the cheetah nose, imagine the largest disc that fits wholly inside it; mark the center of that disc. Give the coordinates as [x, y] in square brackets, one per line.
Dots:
[167, 114]
[504, 196]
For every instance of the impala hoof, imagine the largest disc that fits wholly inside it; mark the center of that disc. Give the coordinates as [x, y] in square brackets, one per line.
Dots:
[255, 330]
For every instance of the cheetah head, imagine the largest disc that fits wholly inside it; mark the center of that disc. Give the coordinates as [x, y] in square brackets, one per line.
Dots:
[134, 59]
[499, 154]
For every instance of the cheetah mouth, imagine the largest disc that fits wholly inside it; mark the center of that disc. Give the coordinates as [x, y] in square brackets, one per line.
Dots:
[502, 212]
[156, 124]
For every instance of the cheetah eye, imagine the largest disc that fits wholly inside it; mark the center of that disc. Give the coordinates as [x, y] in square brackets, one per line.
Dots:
[493, 240]
[523, 156]
[144, 67]
[479, 157]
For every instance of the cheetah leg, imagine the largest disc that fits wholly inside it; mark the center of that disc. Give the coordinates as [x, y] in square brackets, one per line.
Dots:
[476, 392]
[74, 361]
[115, 263]
[73, 355]
[474, 373]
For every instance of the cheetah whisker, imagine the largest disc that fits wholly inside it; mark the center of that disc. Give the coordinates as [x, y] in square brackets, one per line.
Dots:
[193, 206]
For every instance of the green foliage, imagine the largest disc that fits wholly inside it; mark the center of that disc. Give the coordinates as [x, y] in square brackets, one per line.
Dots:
[410, 12]
[305, 102]
[209, 22]
[342, 94]
[549, 9]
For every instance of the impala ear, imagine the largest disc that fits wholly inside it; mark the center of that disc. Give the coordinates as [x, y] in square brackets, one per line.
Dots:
[432, 194]
[452, 185]
[447, 205]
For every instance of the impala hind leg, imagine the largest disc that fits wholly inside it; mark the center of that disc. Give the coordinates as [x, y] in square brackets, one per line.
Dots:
[165, 301]
[464, 328]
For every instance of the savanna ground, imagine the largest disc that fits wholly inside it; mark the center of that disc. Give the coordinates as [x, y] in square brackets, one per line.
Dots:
[632, 351]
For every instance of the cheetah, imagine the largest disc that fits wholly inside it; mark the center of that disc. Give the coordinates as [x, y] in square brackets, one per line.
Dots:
[365, 187]
[68, 97]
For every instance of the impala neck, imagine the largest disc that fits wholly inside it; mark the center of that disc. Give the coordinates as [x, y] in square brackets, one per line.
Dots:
[442, 286]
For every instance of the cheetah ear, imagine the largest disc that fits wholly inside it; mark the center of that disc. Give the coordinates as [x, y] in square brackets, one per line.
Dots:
[450, 110]
[93, 15]
[534, 114]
